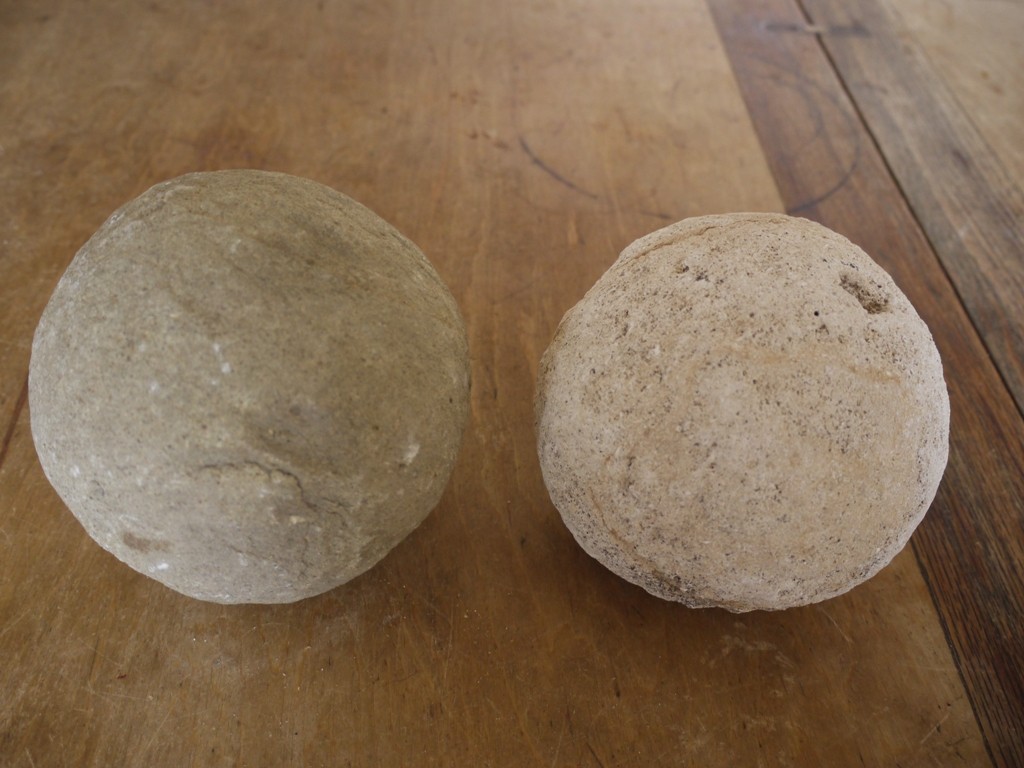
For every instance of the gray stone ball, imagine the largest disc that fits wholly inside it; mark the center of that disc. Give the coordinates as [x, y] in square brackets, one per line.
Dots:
[249, 387]
[744, 412]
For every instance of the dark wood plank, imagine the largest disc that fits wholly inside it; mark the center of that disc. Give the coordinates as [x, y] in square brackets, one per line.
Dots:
[971, 544]
[971, 209]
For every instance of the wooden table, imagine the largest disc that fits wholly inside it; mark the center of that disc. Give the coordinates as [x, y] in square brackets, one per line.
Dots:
[522, 144]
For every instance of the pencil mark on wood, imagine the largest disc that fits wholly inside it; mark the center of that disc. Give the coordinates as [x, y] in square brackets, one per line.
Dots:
[658, 215]
[854, 29]
[552, 172]
[19, 404]
[814, 96]
[515, 292]
[839, 185]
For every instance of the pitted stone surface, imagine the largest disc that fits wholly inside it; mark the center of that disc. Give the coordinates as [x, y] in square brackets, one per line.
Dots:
[745, 412]
[248, 386]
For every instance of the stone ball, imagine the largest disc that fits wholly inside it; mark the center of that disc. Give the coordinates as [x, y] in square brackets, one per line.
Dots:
[744, 412]
[249, 387]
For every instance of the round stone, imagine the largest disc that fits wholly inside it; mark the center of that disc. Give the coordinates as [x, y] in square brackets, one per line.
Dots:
[745, 412]
[249, 387]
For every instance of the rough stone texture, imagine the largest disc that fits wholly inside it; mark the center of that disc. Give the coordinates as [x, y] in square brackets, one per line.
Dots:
[744, 411]
[248, 386]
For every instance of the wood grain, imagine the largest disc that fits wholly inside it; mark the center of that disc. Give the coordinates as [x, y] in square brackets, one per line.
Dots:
[971, 544]
[974, 47]
[521, 145]
[970, 207]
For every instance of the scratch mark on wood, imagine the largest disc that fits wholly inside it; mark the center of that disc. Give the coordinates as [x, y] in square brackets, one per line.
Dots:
[96, 654]
[153, 735]
[558, 747]
[10, 625]
[835, 623]
[88, 688]
[935, 728]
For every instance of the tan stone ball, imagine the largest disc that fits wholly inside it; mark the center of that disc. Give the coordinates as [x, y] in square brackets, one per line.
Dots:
[745, 412]
[248, 386]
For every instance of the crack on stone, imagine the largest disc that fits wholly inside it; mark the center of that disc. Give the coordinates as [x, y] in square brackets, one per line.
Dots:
[270, 473]
[305, 560]
[319, 505]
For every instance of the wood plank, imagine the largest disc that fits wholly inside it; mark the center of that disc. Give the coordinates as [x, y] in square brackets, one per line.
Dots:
[971, 208]
[974, 46]
[521, 145]
[971, 545]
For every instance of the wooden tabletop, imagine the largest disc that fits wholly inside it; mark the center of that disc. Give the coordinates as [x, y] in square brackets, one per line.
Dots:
[522, 144]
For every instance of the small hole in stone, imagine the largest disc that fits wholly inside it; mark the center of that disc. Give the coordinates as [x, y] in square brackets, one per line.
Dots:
[871, 298]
